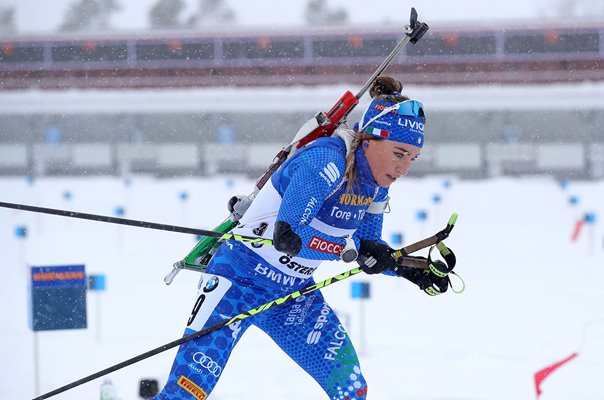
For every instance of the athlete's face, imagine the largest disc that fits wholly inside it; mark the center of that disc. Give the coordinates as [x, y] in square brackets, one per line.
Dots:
[389, 160]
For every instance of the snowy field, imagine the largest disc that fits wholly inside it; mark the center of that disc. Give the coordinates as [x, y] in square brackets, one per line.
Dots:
[533, 297]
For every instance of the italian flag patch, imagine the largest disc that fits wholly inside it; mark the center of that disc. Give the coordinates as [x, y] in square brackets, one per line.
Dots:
[378, 132]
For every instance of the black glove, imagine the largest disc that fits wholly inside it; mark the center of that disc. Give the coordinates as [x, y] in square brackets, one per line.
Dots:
[425, 279]
[375, 257]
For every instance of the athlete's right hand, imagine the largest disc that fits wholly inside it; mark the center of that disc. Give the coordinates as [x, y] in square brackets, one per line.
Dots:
[375, 257]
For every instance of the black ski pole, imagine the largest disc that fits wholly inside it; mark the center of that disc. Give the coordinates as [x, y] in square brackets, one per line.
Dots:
[137, 223]
[432, 240]
[202, 332]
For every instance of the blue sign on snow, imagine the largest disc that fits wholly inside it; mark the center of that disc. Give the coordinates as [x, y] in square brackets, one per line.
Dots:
[96, 282]
[58, 298]
[360, 290]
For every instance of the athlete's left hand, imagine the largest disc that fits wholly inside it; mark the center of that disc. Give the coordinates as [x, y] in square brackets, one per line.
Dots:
[423, 278]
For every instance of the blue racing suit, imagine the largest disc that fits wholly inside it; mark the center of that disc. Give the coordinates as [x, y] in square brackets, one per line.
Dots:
[309, 193]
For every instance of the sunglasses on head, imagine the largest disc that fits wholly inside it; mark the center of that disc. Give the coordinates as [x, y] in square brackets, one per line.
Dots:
[409, 108]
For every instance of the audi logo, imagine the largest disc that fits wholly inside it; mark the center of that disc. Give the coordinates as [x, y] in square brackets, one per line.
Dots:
[207, 363]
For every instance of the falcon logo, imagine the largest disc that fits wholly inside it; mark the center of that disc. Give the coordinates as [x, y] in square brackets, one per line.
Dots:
[306, 215]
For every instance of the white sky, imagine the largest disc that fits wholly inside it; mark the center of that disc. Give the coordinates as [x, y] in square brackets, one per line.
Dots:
[35, 16]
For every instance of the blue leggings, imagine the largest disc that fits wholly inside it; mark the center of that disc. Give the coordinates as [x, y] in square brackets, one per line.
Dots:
[306, 328]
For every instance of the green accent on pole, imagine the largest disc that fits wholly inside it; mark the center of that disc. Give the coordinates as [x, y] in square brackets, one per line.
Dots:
[444, 250]
[431, 291]
[463, 284]
[453, 219]
[199, 257]
[436, 272]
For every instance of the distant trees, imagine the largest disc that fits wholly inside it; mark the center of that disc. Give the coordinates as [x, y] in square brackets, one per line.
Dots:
[212, 13]
[95, 15]
[165, 14]
[318, 14]
[7, 20]
[571, 9]
[89, 15]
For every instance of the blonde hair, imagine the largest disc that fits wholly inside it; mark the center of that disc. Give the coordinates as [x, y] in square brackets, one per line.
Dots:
[350, 174]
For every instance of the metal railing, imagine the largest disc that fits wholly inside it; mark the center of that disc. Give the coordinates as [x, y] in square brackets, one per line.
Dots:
[186, 59]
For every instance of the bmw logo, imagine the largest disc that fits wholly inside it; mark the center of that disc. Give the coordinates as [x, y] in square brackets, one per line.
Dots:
[211, 285]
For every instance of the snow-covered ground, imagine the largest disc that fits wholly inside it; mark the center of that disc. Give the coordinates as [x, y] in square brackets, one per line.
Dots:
[533, 297]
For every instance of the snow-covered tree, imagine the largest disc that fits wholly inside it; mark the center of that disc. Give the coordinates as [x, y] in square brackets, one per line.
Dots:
[574, 9]
[212, 13]
[319, 14]
[165, 14]
[89, 15]
[7, 20]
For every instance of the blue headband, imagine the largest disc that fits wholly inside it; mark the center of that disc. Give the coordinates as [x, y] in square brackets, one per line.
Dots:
[401, 122]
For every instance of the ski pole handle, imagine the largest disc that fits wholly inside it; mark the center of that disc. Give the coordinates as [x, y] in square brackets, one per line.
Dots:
[432, 240]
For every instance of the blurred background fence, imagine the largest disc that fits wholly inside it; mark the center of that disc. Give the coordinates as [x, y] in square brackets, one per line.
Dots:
[456, 55]
[143, 112]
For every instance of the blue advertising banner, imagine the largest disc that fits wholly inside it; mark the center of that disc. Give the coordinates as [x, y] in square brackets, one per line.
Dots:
[58, 297]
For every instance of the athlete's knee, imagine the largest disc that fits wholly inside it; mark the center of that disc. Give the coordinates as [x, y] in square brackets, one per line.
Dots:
[351, 386]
